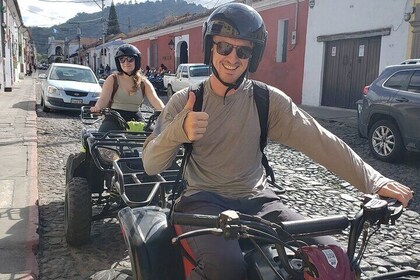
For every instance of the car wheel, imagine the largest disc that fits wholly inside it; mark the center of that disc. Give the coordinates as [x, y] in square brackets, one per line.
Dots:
[43, 106]
[170, 91]
[77, 211]
[385, 141]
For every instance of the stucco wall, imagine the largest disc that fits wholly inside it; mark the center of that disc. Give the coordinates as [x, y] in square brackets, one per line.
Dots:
[330, 17]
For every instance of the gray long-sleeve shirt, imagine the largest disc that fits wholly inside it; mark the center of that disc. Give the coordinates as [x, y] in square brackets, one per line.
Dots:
[227, 160]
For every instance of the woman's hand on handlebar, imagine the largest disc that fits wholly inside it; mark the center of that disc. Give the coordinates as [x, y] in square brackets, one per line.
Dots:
[398, 191]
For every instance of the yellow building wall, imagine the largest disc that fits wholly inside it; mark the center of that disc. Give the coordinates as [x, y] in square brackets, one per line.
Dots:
[415, 3]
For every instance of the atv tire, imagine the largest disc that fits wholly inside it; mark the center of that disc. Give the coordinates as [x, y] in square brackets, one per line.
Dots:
[111, 274]
[77, 211]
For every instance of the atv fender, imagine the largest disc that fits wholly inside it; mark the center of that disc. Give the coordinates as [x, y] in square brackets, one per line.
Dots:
[75, 166]
[147, 235]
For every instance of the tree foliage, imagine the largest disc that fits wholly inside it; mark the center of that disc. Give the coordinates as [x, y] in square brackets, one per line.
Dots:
[113, 25]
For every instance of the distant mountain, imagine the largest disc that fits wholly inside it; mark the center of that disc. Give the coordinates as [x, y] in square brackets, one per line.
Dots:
[130, 17]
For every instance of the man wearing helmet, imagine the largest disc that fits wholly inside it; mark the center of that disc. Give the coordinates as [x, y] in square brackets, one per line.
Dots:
[224, 170]
[130, 92]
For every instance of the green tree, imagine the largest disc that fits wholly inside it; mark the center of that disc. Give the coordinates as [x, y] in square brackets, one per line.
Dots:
[113, 25]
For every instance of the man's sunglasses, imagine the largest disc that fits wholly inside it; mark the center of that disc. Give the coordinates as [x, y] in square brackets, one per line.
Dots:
[123, 59]
[223, 48]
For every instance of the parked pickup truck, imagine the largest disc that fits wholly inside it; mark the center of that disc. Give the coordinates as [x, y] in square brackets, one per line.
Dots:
[188, 74]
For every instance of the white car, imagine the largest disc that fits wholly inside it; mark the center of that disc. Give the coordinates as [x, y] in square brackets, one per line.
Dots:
[68, 87]
[188, 74]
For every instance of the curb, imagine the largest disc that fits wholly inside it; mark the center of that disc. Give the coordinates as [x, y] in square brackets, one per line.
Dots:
[32, 238]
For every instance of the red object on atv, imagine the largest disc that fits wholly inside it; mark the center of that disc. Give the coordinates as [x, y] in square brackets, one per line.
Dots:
[326, 262]
[188, 266]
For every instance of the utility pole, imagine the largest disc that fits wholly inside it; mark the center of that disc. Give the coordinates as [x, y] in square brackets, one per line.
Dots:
[102, 6]
[79, 34]
[103, 32]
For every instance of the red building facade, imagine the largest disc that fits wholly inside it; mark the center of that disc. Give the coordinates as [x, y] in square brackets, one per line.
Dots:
[283, 61]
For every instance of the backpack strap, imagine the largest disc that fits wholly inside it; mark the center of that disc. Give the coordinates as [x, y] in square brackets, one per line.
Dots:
[198, 106]
[179, 184]
[143, 88]
[114, 90]
[262, 101]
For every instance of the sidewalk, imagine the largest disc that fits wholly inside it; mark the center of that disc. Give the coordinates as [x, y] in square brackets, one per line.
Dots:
[18, 182]
[332, 113]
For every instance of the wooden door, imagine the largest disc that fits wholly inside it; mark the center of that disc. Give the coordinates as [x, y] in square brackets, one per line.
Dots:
[350, 65]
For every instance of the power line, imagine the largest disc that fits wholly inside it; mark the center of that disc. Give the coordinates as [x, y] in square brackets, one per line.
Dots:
[86, 21]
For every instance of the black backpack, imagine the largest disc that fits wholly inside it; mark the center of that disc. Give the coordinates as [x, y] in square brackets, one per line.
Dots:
[262, 100]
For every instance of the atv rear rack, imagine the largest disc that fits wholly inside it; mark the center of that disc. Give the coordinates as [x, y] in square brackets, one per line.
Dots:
[124, 143]
[137, 188]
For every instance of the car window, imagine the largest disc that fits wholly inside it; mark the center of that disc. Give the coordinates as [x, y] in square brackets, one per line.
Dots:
[414, 84]
[397, 80]
[184, 73]
[72, 74]
[197, 71]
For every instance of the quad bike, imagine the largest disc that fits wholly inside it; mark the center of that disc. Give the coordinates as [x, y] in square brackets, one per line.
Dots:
[90, 194]
[271, 251]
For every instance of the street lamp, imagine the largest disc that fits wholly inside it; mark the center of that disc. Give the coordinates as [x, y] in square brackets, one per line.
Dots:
[171, 44]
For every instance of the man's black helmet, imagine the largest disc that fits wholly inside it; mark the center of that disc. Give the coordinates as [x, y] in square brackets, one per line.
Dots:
[128, 50]
[240, 21]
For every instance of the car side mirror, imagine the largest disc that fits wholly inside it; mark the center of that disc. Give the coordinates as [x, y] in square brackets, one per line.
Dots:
[101, 82]
[42, 76]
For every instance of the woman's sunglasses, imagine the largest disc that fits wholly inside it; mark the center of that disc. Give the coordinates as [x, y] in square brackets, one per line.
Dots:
[123, 59]
[223, 48]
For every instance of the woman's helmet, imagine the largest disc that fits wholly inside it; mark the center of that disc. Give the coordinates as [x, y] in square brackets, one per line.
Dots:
[128, 50]
[236, 20]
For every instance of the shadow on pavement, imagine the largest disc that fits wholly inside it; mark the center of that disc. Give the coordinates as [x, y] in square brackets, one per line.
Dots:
[105, 249]
[16, 244]
[25, 105]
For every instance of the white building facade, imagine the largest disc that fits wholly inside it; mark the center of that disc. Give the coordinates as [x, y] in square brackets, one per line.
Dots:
[347, 39]
[16, 54]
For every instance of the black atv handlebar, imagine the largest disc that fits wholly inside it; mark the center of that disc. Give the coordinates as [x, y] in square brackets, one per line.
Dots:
[89, 118]
[374, 209]
[195, 220]
[233, 225]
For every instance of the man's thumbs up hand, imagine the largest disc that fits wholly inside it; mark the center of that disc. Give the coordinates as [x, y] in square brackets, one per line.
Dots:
[195, 123]
[191, 101]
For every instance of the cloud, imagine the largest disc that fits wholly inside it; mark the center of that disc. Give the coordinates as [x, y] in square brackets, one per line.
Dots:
[46, 13]
[34, 9]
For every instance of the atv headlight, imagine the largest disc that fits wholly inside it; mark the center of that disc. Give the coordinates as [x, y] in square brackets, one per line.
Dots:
[108, 155]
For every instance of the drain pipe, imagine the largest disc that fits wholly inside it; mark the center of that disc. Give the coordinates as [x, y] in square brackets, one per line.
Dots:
[294, 32]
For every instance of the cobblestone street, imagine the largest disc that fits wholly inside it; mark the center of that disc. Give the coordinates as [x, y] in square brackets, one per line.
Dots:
[311, 189]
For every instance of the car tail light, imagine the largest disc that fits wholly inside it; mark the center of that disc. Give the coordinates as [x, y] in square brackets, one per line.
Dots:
[366, 90]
